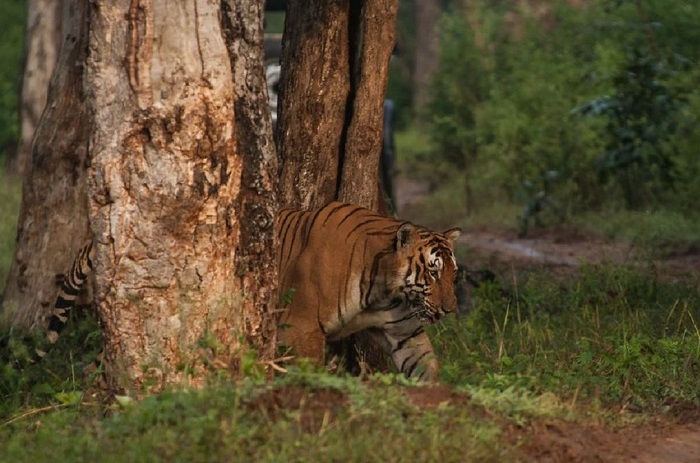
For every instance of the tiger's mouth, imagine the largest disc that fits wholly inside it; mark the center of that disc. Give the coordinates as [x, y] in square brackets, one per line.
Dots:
[426, 314]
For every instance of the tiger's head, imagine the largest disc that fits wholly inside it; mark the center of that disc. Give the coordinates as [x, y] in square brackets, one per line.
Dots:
[427, 270]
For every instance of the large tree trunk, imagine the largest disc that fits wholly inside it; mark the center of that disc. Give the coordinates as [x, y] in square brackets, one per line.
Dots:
[181, 201]
[167, 173]
[257, 203]
[42, 43]
[53, 221]
[335, 64]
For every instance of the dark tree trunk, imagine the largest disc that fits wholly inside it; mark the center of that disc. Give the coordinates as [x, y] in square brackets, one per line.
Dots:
[315, 89]
[335, 64]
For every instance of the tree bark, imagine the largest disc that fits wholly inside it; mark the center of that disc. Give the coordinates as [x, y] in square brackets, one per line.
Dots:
[314, 91]
[373, 35]
[335, 64]
[53, 221]
[166, 182]
[179, 191]
[257, 202]
[42, 40]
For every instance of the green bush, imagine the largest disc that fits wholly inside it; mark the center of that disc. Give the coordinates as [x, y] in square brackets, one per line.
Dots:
[513, 87]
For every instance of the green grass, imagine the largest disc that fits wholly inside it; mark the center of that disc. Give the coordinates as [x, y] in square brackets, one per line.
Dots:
[666, 232]
[243, 422]
[614, 335]
[612, 338]
[10, 197]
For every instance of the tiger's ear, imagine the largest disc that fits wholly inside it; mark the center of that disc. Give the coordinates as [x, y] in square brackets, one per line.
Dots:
[452, 234]
[405, 235]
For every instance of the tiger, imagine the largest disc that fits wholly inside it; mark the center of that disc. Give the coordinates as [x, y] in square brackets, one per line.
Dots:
[72, 284]
[344, 268]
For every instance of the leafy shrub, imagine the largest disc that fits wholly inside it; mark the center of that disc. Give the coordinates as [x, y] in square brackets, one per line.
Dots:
[513, 83]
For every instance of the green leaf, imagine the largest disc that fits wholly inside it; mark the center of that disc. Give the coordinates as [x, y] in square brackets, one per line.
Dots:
[69, 398]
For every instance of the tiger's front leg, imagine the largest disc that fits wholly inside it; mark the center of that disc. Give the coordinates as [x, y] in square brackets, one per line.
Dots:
[413, 354]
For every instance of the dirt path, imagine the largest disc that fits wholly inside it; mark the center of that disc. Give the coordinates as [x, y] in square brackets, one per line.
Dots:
[566, 249]
[562, 247]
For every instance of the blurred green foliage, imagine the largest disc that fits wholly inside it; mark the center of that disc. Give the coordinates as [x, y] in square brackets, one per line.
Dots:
[596, 106]
[11, 40]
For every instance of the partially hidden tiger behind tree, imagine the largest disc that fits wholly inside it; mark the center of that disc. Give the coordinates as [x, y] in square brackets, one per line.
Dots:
[342, 269]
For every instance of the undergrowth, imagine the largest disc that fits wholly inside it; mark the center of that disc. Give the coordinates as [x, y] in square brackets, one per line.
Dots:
[305, 416]
[614, 336]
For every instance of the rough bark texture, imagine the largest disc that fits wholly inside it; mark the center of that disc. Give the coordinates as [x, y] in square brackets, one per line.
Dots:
[374, 35]
[53, 222]
[314, 91]
[335, 64]
[166, 182]
[427, 52]
[257, 204]
[42, 43]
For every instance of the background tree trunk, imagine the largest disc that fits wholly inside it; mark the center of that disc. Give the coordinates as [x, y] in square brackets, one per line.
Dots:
[427, 52]
[335, 65]
[314, 90]
[53, 221]
[167, 182]
[42, 45]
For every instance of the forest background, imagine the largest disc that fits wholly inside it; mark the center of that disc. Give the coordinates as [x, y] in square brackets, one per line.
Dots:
[542, 114]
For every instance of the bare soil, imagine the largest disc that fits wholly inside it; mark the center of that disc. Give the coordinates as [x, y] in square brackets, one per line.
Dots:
[562, 249]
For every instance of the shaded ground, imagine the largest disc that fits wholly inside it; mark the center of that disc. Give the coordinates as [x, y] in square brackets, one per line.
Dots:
[546, 440]
[676, 438]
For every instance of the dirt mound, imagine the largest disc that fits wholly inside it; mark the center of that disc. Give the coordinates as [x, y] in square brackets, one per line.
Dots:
[316, 407]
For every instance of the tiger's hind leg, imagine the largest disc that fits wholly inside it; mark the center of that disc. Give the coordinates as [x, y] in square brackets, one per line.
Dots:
[300, 330]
